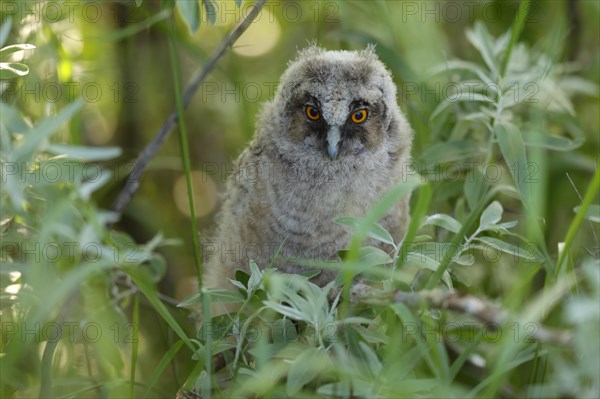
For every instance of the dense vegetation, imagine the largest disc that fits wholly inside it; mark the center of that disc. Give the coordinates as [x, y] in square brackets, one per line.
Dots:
[493, 292]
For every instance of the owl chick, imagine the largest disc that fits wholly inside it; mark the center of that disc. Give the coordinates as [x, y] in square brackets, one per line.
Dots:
[331, 142]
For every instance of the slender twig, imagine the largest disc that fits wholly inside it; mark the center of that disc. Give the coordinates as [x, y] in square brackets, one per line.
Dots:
[488, 314]
[133, 181]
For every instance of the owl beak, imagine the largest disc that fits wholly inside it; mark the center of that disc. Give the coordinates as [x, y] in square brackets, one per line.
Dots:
[333, 140]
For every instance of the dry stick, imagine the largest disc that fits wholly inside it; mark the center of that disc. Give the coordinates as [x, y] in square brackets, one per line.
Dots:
[471, 305]
[133, 181]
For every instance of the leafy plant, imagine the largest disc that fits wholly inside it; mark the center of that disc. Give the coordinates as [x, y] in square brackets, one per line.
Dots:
[11, 70]
[492, 292]
[404, 333]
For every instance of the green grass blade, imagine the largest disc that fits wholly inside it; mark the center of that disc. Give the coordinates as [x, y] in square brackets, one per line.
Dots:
[135, 341]
[590, 194]
[417, 216]
[185, 153]
[162, 365]
[149, 290]
[517, 28]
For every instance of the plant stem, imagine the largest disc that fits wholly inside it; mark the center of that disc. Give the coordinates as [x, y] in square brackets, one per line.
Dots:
[517, 28]
[185, 154]
[590, 194]
[135, 341]
[455, 243]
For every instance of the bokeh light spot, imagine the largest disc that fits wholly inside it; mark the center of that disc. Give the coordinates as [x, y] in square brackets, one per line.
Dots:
[261, 37]
[205, 194]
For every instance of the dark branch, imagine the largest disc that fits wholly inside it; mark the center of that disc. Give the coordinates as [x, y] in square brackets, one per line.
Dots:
[133, 181]
[488, 314]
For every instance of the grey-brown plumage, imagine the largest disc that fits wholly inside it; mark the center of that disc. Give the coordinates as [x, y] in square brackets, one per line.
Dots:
[313, 158]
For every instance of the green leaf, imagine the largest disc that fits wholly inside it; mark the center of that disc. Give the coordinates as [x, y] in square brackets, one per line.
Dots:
[481, 39]
[242, 277]
[508, 248]
[450, 151]
[286, 311]
[86, 154]
[190, 11]
[460, 97]
[237, 284]
[157, 266]
[453, 65]
[371, 256]
[370, 358]
[87, 188]
[148, 288]
[556, 143]
[592, 214]
[491, 215]
[138, 3]
[47, 127]
[11, 70]
[445, 221]
[475, 187]
[578, 85]
[13, 120]
[513, 150]
[5, 31]
[13, 186]
[255, 277]
[501, 228]
[166, 360]
[13, 48]
[376, 231]
[211, 11]
[371, 336]
[305, 368]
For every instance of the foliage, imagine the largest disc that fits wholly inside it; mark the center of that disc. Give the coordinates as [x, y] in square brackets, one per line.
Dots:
[386, 350]
[11, 70]
[493, 291]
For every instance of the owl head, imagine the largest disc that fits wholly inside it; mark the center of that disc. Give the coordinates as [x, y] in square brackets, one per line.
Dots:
[336, 106]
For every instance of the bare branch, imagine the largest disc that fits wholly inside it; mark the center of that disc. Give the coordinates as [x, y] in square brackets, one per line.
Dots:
[133, 180]
[488, 314]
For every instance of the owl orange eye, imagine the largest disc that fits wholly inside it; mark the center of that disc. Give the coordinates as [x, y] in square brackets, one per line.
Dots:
[359, 116]
[312, 113]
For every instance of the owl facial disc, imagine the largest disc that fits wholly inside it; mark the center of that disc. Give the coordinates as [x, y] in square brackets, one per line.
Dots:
[333, 140]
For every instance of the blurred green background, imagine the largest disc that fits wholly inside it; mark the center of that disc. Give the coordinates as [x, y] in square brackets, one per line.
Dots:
[115, 56]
